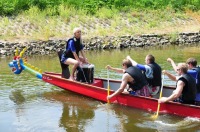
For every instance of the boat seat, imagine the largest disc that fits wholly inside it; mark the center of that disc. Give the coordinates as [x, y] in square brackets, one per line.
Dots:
[64, 67]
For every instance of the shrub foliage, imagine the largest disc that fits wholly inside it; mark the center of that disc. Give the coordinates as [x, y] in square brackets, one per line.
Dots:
[14, 7]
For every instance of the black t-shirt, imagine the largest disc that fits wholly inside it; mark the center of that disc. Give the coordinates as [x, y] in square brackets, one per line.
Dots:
[186, 96]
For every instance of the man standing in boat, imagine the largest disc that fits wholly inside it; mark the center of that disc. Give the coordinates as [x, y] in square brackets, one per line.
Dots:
[71, 54]
[133, 77]
[185, 91]
[152, 72]
[192, 70]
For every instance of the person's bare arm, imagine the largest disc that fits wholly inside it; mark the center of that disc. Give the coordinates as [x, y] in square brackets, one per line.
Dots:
[171, 76]
[176, 93]
[119, 70]
[83, 55]
[134, 63]
[172, 63]
[121, 88]
[76, 56]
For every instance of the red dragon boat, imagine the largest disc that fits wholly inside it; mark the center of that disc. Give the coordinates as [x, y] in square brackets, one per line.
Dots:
[98, 91]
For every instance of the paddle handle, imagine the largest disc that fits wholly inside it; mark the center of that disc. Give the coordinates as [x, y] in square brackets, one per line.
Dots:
[108, 86]
[158, 108]
[108, 92]
[161, 90]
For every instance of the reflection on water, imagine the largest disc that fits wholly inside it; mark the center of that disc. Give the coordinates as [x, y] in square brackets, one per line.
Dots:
[29, 104]
[76, 111]
[17, 97]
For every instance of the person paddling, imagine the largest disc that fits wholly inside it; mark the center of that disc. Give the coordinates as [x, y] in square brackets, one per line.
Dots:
[192, 70]
[185, 91]
[152, 73]
[133, 77]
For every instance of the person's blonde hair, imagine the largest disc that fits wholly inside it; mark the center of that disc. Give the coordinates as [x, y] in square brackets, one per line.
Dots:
[183, 67]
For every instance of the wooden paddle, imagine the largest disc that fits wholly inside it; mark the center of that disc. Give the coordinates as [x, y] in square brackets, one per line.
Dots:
[108, 86]
[154, 117]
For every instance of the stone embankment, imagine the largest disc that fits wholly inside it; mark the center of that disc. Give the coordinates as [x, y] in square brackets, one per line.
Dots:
[99, 43]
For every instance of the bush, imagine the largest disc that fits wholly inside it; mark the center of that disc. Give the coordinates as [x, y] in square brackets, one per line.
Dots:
[13, 7]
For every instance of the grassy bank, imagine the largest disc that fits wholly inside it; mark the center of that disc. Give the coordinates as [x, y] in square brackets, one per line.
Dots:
[37, 24]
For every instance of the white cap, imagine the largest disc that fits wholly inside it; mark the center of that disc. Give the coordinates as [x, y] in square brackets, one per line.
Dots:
[76, 29]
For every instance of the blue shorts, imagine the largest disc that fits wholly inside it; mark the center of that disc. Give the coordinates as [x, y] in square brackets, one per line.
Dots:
[197, 97]
[63, 58]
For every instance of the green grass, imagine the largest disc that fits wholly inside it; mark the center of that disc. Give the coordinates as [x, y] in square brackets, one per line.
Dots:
[37, 24]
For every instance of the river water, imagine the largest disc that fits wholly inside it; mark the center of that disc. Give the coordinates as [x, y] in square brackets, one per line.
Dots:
[28, 104]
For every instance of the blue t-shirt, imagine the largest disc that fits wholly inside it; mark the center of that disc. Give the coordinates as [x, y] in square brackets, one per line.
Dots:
[71, 46]
[147, 69]
[193, 73]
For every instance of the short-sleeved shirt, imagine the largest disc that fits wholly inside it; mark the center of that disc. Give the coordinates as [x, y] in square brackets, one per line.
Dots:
[71, 46]
[147, 69]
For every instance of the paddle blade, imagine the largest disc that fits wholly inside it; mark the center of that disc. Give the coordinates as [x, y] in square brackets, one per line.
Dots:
[154, 117]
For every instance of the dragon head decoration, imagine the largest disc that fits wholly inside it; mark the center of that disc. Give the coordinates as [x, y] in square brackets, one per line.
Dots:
[19, 63]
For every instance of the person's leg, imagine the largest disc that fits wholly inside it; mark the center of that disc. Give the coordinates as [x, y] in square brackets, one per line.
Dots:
[75, 64]
[143, 92]
[155, 90]
[126, 91]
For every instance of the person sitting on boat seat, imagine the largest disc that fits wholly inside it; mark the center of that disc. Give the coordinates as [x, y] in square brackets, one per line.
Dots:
[194, 71]
[185, 91]
[152, 72]
[71, 54]
[133, 77]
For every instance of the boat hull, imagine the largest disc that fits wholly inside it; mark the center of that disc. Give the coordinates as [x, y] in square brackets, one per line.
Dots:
[98, 90]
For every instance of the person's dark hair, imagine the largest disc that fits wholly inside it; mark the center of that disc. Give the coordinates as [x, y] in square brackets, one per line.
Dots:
[127, 63]
[151, 58]
[192, 61]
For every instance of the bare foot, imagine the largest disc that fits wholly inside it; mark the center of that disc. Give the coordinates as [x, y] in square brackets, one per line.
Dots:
[71, 78]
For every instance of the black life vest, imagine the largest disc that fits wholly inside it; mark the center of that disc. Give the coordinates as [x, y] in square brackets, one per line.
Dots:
[189, 90]
[77, 44]
[197, 69]
[156, 80]
[139, 78]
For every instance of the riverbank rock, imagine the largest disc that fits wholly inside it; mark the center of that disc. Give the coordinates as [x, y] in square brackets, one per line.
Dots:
[101, 43]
